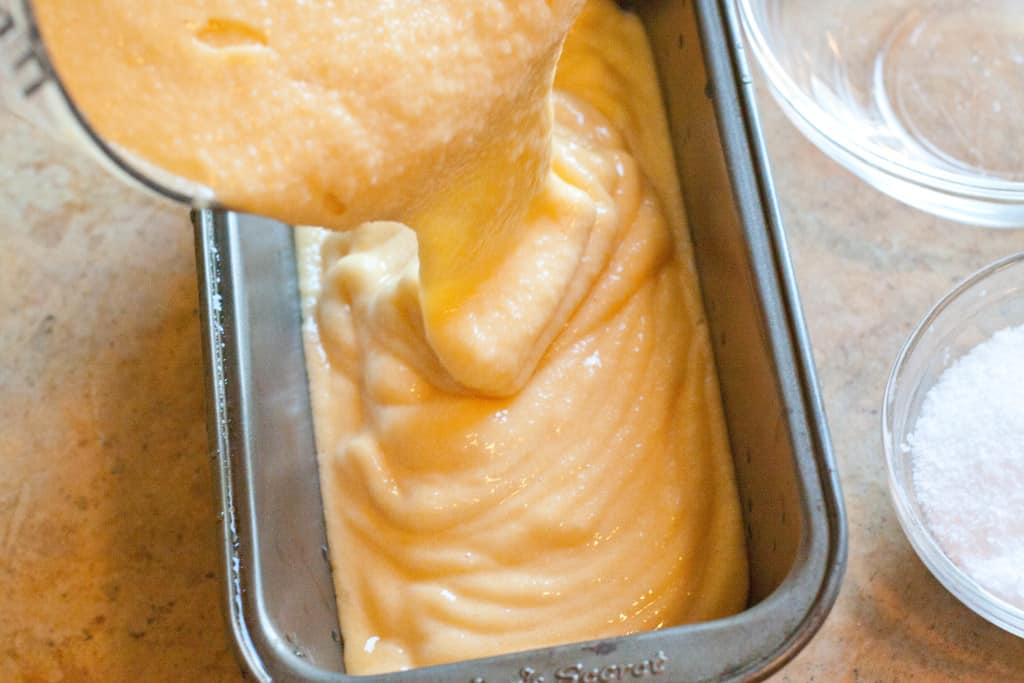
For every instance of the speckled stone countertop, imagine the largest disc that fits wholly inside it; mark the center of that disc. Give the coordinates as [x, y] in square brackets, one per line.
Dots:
[107, 547]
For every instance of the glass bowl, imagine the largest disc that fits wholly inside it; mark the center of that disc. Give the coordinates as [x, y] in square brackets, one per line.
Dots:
[990, 300]
[920, 98]
[31, 88]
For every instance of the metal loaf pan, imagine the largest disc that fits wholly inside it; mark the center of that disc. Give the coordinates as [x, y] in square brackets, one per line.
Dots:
[279, 598]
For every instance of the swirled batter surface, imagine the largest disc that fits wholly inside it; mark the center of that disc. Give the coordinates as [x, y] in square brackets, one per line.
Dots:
[561, 472]
[518, 421]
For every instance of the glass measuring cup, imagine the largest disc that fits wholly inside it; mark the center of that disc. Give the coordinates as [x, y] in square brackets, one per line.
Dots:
[31, 89]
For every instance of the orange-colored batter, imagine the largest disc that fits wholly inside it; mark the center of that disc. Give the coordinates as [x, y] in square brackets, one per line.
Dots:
[563, 473]
[518, 420]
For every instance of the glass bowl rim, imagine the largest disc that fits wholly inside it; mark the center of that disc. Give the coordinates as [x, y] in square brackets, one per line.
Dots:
[152, 179]
[799, 104]
[993, 608]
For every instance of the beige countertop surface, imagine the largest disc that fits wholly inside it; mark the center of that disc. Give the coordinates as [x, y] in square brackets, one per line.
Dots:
[107, 546]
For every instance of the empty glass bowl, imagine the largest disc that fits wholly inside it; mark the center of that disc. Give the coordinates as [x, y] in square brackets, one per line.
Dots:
[924, 99]
[989, 301]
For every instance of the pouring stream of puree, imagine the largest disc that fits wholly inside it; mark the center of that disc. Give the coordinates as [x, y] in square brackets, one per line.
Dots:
[518, 419]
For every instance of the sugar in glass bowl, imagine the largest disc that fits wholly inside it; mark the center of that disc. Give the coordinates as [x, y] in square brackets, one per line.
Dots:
[923, 99]
[990, 301]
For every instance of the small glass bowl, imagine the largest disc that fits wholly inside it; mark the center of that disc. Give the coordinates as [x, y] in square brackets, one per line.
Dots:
[920, 98]
[990, 300]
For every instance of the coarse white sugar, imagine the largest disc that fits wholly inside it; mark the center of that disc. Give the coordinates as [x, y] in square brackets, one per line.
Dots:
[967, 450]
